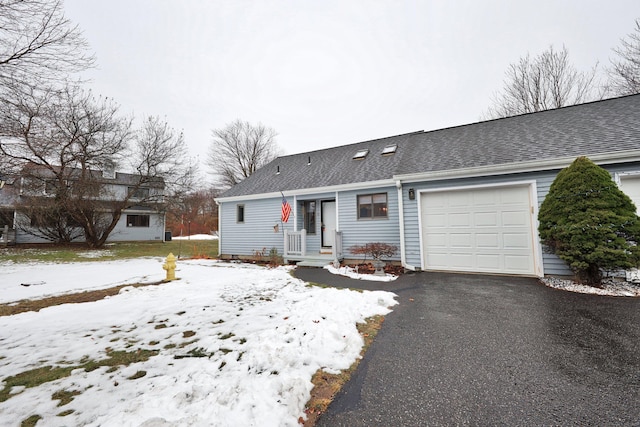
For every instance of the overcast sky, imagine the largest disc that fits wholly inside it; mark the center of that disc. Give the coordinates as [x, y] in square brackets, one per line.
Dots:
[327, 73]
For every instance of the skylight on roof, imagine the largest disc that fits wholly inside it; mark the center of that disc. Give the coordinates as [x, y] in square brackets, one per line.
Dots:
[389, 149]
[361, 154]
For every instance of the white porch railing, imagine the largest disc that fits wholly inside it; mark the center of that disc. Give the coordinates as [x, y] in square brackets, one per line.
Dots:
[295, 243]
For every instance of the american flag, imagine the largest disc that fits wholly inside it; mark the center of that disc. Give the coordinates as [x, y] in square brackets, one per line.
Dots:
[286, 210]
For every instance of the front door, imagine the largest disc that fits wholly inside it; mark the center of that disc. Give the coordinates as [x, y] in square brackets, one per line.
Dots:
[328, 218]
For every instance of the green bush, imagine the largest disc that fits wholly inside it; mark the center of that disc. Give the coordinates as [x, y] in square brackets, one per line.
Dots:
[589, 222]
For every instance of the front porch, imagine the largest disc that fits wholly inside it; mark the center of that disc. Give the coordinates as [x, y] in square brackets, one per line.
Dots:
[295, 249]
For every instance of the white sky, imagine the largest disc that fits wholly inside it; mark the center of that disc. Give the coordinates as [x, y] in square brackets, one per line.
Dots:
[327, 73]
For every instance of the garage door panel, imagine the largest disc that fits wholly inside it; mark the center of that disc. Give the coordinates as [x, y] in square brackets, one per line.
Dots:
[461, 260]
[516, 219]
[459, 220]
[516, 241]
[461, 240]
[437, 240]
[485, 219]
[513, 196]
[439, 260]
[517, 263]
[435, 220]
[459, 200]
[485, 198]
[487, 241]
[484, 230]
[488, 262]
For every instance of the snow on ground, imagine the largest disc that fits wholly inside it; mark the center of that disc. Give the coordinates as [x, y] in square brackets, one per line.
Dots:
[610, 287]
[352, 273]
[26, 281]
[196, 237]
[259, 335]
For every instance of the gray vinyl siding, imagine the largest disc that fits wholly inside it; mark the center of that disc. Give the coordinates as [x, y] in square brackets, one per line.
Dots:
[359, 231]
[552, 265]
[257, 231]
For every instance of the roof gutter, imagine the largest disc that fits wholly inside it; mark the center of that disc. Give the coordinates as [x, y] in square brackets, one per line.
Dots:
[305, 191]
[518, 167]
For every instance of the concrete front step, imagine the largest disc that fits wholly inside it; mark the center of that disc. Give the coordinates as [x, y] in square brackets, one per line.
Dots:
[310, 263]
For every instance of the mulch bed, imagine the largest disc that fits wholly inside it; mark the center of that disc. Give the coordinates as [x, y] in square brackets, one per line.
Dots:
[368, 268]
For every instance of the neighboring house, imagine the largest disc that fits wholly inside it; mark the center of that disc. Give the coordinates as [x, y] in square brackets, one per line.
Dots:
[461, 199]
[144, 221]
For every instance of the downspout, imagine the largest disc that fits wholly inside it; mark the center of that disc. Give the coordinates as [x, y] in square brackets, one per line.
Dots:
[403, 256]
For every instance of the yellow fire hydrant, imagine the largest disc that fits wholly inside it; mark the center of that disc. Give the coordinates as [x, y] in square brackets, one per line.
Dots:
[170, 267]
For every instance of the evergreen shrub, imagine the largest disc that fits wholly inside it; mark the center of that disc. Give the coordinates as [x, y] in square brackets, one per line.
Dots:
[588, 222]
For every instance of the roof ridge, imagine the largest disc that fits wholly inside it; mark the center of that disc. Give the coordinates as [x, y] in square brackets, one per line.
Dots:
[350, 144]
[564, 107]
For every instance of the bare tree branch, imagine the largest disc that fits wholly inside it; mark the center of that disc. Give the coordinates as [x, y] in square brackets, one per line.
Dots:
[63, 140]
[39, 46]
[239, 149]
[624, 73]
[542, 83]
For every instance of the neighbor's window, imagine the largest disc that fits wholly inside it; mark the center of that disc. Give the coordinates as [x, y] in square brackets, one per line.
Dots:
[240, 213]
[371, 206]
[137, 220]
[138, 193]
[50, 186]
[6, 218]
[309, 214]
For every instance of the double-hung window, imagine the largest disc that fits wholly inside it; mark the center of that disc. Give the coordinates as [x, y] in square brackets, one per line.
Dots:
[372, 206]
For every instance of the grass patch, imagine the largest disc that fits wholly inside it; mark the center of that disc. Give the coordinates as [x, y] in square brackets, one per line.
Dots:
[44, 374]
[75, 298]
[186, 343]
[137, 375]
[65, 413]
[195, 352]
[325, 385]
[31, 421]
[227, 336]
[64, 396]
[187, 334]
[46, 252]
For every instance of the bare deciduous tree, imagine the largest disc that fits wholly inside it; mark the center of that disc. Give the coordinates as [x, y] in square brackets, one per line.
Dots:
[239, 149]
[547, 81]
[624, 73]
[39, 46]
[63, 140]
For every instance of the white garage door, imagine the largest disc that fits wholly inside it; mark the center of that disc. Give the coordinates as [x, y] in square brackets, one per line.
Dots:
[631, 187]
[486, 230]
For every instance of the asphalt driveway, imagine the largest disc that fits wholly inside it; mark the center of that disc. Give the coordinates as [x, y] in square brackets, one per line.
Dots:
[484, 350]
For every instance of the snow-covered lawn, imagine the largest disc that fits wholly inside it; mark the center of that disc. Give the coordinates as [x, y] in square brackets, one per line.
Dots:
[236, 344]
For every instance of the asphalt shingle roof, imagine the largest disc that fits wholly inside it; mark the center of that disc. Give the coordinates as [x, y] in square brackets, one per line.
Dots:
[600, 127]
